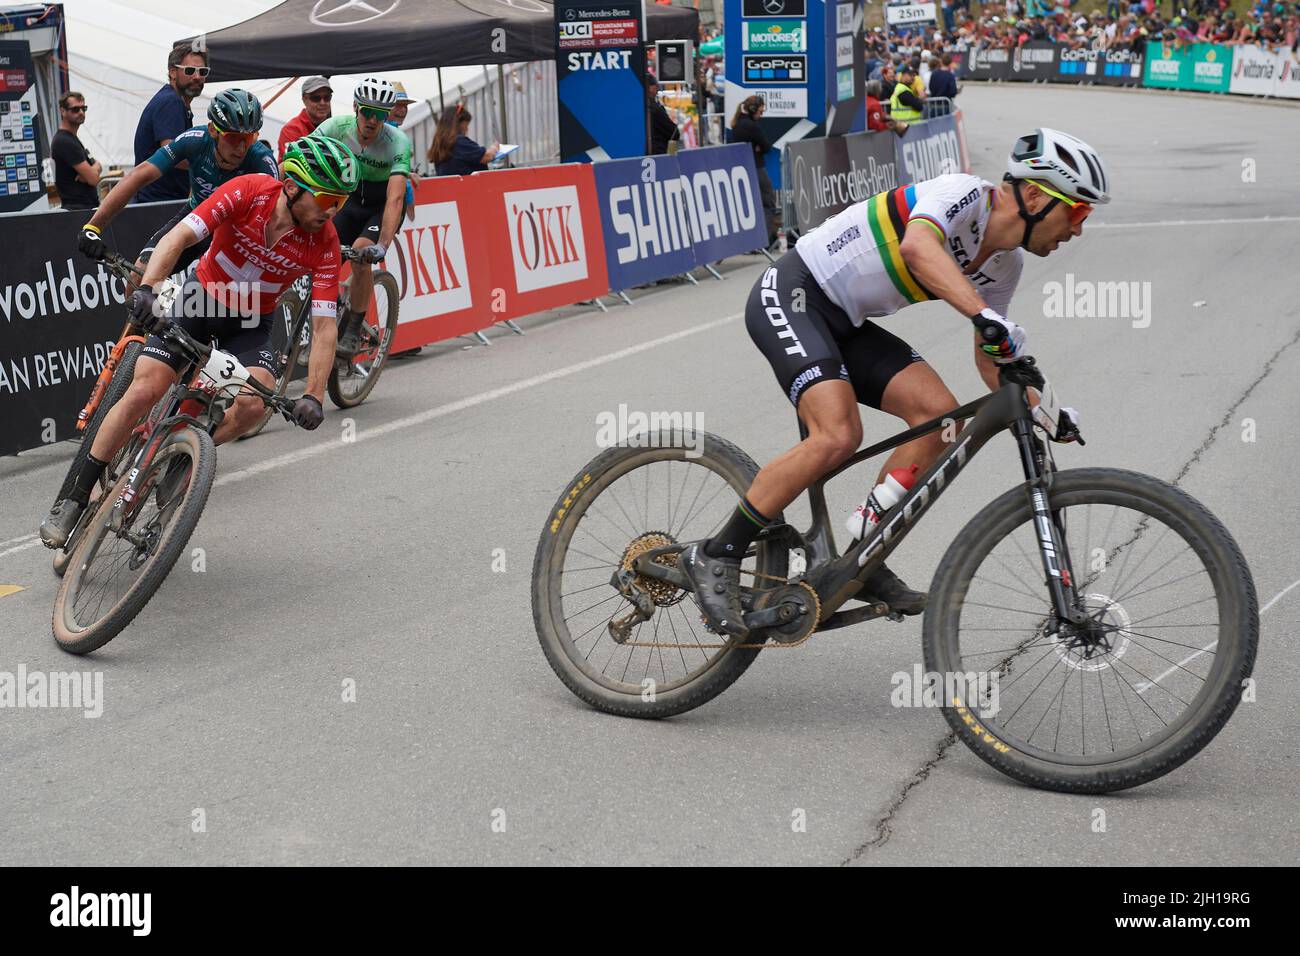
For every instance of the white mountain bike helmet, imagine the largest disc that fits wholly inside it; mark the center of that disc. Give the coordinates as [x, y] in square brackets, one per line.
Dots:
[1060, 163]
[1068, 165]
[376, 92]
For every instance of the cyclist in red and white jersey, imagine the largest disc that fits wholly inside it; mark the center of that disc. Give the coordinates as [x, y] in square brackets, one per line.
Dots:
[265, 233]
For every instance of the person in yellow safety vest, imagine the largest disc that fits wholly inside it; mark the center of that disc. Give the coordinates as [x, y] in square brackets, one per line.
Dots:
[904, 104]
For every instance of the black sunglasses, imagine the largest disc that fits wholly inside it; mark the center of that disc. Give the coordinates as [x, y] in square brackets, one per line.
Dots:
[202, 71]
[75, 109]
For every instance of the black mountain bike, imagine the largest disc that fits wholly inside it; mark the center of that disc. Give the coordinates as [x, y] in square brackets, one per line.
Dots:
[352, 379]
[1113, 616]
[129, 537]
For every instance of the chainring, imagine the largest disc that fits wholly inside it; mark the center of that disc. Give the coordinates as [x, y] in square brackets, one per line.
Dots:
[662, 593]
[801, 625]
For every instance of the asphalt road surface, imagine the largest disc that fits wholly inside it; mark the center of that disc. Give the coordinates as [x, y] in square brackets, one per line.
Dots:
[399, 563]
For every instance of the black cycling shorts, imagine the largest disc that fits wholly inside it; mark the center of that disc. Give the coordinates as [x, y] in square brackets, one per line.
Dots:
[358, 221]
[807, 338]
[246, 338]
[188, 256]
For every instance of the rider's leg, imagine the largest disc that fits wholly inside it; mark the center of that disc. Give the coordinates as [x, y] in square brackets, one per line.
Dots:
[151, 379]
[246, 410]
[917, 395]
[829, 410]
[148, 383]
[363, 283]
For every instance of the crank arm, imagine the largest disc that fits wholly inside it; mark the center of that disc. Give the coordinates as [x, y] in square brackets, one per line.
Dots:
[856, 615]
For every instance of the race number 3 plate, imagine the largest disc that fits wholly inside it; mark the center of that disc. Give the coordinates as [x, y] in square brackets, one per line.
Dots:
[224, 369]
[1048, 410]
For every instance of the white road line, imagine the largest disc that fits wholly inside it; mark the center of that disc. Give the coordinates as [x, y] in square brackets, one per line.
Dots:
[33, 541]
[23, 537]
[430, 414]
[1144, 687]
[1188, 222]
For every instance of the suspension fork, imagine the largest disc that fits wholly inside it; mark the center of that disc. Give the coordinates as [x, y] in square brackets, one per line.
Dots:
[1049, 530]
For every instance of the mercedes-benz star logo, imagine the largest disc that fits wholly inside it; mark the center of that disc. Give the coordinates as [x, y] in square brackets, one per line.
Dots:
[773, 6]
[348, 13]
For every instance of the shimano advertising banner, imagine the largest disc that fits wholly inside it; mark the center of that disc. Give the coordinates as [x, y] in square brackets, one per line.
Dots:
[720, 186]
[643, 210]
[931, 149]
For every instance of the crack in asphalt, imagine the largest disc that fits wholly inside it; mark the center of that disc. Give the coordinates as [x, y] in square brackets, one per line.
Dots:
[884, 824]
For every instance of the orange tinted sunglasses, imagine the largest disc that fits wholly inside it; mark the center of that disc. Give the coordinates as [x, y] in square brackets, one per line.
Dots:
[248, 138]
[1078, 209]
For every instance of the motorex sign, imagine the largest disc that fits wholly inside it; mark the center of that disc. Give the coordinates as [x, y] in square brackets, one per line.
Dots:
[664, 215]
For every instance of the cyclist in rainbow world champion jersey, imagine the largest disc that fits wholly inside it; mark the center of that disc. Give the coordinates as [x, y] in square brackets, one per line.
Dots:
[265, 234]
[218, 151]
[373, 214]
[957, 238]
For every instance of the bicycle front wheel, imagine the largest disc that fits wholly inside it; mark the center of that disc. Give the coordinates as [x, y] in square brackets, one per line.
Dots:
[349, 386]
[1171, 633]
[118, 562]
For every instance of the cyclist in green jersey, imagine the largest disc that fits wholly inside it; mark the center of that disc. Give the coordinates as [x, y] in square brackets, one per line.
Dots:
[370, 219]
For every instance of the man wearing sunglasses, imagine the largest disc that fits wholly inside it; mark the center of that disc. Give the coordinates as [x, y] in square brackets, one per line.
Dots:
[317, 106]
[373, 213]
[265, 235]
[225, 147]
[76, 172]
[957, 238]
[168, 115]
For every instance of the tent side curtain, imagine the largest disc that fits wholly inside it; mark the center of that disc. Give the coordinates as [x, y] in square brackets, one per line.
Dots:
[308, 37]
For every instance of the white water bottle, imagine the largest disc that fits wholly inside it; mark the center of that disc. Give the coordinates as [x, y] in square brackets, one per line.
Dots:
[883, 497]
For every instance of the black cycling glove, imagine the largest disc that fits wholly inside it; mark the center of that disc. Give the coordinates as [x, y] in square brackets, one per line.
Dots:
[307, 412]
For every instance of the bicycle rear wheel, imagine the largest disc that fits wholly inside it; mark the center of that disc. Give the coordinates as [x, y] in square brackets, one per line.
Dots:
[113, 572]
[349, 386]
[677, 488]
[1172, 632]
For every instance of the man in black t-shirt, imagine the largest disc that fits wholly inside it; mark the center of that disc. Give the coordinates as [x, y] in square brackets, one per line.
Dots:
[76, 172]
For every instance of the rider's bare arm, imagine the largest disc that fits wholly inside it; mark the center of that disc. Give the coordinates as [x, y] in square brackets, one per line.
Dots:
[122, 193]
[324, 337]
[167, 253]
[393, 204]
[934, 267]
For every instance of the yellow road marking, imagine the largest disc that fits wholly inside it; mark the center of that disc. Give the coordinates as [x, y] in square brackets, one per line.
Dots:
[8, 589]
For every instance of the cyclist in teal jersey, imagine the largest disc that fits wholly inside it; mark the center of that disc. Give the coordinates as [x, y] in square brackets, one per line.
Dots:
[370, 219]
[225, 147]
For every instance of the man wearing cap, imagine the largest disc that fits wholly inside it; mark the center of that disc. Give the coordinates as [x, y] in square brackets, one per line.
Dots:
[316, 97]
